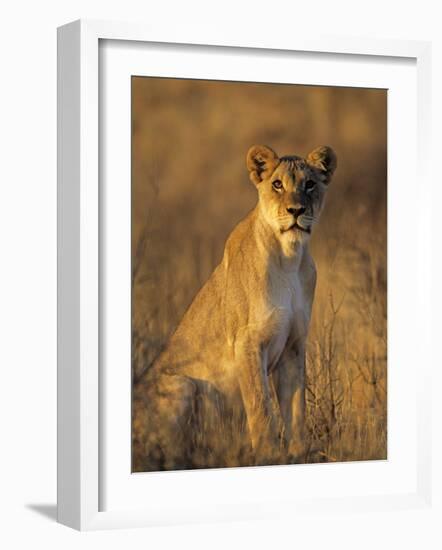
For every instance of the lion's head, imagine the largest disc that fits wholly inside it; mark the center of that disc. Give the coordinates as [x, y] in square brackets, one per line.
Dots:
[291, 189]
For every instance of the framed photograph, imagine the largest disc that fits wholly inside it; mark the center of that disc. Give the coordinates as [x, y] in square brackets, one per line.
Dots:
[235, 223]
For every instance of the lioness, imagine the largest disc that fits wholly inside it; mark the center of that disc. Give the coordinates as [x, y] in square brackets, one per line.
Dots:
[242, 340]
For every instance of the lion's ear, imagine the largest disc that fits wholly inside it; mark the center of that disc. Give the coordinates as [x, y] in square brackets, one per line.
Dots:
[324, 159]
[261, 161]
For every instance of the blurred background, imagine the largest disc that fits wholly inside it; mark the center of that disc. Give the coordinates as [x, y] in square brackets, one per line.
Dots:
[190, 187]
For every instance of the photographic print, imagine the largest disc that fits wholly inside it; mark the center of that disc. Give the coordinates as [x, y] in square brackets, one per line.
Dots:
[259, 274]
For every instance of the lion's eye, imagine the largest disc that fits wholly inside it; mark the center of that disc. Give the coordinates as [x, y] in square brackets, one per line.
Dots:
[309, 185]
[277, 184]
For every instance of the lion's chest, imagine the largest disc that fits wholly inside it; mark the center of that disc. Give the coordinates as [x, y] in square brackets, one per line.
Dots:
[288, 313]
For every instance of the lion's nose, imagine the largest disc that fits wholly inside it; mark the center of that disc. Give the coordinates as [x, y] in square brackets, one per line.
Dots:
[296, 210]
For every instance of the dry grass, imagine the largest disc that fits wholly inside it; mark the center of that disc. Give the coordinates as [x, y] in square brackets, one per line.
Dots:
[190, 188]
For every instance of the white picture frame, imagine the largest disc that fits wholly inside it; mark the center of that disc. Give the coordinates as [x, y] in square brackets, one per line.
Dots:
[79, 293]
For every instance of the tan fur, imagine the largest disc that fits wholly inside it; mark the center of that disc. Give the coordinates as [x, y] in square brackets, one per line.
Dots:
[243, 337]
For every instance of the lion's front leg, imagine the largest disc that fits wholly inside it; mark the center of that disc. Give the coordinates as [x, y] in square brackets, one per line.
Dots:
[264, 421]
[289, 379]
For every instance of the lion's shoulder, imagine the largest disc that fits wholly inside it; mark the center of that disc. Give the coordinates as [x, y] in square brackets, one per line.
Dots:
[240, 240]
